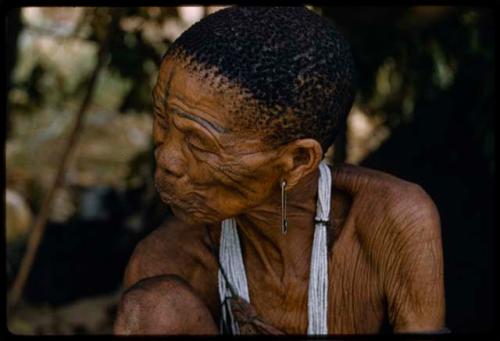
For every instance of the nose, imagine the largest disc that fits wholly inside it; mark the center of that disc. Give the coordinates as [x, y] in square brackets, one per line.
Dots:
[170, 160]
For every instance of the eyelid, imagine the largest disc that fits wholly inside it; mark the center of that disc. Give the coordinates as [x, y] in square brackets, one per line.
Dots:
[192, 134]
[189, 138]
[202, 137]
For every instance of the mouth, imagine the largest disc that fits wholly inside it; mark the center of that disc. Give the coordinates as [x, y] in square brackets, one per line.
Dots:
[165, 197]
[191, 204]
[168, 198]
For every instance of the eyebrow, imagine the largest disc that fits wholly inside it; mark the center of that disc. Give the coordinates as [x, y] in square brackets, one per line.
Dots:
[204, 122]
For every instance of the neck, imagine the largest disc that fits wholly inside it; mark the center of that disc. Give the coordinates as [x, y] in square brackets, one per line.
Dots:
[283, 254]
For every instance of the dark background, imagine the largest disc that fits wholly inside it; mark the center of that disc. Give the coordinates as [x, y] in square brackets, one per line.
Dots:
[425, 76]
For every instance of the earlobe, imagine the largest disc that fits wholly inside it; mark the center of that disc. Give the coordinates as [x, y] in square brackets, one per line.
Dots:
[304, 156]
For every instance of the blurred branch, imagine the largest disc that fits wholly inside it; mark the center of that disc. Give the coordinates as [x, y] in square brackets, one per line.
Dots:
[41, 220]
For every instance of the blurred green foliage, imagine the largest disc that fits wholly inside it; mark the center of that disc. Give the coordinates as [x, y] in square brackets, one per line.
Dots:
[133, 60]
[420, 54]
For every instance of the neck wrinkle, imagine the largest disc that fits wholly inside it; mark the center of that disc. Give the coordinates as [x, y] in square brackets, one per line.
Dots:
[283, 255]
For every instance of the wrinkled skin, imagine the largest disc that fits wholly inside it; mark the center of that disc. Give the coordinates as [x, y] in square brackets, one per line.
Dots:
[385, 254]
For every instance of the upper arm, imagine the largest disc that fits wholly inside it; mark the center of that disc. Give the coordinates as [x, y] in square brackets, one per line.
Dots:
[413, 263]
[165, 251]
[176, 249]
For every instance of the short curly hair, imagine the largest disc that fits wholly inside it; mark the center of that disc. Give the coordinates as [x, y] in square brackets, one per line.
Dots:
[291, 61]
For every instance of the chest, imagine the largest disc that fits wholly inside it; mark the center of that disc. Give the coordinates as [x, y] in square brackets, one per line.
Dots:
[355, 301]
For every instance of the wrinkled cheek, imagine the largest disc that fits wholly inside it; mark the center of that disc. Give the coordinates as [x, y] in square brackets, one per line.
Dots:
[225, 204]
[231, 202]
[220, 201]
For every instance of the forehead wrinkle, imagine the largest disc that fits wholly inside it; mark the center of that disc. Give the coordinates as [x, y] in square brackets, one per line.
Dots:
[157, 96]
[204, 122]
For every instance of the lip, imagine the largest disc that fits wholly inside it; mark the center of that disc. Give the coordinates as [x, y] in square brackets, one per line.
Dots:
[165, 195]
[166, 198]
[174, 201]
[193, 206]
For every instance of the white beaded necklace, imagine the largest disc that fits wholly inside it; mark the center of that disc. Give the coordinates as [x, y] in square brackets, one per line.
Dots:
[231, 260]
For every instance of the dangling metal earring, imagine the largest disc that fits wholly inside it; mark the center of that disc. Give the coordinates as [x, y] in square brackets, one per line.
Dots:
[284, 222]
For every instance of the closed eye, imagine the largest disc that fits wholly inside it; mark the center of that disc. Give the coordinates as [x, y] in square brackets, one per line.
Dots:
[194, 138]
[196, 143]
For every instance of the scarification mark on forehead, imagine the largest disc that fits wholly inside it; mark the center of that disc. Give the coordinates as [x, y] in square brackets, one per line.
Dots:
[204, 122]
[158, 95]
[167, 87]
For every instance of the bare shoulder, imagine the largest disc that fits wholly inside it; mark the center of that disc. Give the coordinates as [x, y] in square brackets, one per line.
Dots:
[398, 227]
[172, 248]
[383, 204]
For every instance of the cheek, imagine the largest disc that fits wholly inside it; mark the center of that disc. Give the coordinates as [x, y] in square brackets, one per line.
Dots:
[229, 202]
[232, 195]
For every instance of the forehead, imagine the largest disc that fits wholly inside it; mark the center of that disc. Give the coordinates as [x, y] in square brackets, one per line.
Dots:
[200, 91]
[209, 96]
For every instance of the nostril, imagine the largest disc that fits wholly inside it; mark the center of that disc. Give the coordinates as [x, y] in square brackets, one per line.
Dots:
[170, 160]
[172, 167]
[167, 171]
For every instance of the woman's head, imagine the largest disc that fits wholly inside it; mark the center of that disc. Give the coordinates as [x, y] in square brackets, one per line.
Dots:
[247, 97]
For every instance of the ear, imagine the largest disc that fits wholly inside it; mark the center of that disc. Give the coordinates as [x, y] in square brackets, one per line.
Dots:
[300, 158]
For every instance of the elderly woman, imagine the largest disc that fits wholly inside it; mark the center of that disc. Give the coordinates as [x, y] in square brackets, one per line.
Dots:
[266, 237]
